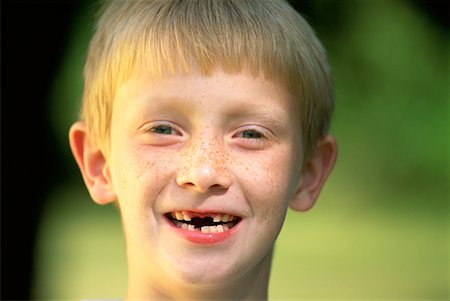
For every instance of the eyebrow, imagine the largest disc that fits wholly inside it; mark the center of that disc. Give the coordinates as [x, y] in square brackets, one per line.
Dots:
[254, 111]
[159, 105]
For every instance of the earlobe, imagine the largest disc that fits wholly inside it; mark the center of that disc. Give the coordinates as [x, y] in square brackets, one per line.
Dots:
[314, 174]
[92, 164]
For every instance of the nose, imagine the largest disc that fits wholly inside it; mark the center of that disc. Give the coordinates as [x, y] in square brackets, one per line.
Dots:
[203, 168]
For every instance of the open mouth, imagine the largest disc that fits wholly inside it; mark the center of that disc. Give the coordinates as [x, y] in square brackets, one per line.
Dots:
[205, 223]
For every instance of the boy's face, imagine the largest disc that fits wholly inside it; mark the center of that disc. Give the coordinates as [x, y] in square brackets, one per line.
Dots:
[204, 169]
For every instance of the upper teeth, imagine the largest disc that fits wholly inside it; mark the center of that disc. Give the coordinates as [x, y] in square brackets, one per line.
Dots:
[217, 218]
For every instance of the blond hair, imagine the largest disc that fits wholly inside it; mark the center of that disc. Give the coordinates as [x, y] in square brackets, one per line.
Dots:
[171, 36]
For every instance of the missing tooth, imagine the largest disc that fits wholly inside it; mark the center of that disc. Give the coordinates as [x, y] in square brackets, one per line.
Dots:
[199, 222]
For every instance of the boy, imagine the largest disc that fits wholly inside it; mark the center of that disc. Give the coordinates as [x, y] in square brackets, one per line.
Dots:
[204, 120]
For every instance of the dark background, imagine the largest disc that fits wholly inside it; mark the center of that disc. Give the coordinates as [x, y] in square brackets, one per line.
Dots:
[33, 36]
[33, 39]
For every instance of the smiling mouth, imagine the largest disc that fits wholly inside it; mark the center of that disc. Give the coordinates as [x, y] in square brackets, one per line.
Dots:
[205, 223]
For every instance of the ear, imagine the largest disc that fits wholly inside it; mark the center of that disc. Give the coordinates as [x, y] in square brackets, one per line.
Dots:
[93, 165]
[314, 174]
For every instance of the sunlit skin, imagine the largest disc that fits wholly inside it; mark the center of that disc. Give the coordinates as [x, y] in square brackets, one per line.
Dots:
[225, 143]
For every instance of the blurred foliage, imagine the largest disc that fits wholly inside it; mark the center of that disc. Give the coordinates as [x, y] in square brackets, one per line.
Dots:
[380, 228]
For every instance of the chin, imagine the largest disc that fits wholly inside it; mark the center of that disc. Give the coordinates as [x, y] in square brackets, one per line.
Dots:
[206, 272]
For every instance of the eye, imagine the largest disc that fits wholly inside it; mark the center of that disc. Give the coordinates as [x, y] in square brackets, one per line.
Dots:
[252, 138]
[161, 133]
[164, 129]
[250, 134]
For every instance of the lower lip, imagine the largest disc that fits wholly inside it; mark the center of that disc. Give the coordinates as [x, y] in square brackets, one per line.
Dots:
[198, 237]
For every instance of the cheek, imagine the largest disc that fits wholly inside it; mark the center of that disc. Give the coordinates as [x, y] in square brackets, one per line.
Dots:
[138, 177]
[269, 178]
[269, 183]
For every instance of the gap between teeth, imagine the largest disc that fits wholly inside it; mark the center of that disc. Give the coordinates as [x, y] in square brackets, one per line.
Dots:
[217, 218]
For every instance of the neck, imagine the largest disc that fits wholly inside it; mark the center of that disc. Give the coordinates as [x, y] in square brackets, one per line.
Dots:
[253, 285]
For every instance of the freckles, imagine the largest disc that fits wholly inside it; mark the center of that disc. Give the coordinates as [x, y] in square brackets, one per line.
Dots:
[271, 178]
[267, 184]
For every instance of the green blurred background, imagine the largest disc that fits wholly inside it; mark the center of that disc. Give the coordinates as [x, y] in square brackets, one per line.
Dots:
[380, 227]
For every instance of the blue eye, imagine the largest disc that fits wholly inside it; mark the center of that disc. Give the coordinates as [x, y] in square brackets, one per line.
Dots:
[163, 130]
[251, 134]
